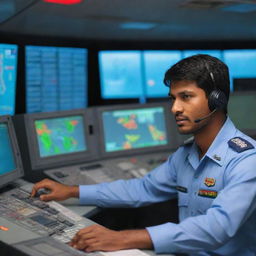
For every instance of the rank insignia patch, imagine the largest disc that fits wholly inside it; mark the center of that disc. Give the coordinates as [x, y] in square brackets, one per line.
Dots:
[209, 182]
[240, 144]
[207, 193]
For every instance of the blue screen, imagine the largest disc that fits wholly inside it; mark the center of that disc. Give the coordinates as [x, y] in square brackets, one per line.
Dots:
[134, 128]
[156, 64]
[241, 64]
[120, 74]
[8, 70]
[62, 135]
[56, 78]
[6, 153]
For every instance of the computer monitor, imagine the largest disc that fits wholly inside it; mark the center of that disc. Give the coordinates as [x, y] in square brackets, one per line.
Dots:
[241, 111]
[8, 73]
[10, 161]
[121, 74]
[156, 63]
[56, 78]
[136, 129]
[241, 65]
[55, 139]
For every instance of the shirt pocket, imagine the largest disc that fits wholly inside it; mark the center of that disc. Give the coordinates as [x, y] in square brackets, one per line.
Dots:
[183, 200]
[204, 202]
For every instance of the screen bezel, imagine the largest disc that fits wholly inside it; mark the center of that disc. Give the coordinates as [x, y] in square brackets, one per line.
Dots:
[18, 172]
[48, 162]
[173, 137]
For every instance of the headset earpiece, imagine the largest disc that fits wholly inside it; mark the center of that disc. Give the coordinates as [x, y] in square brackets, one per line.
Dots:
[217, 100]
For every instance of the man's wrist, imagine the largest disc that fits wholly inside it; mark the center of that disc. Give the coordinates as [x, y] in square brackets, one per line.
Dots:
[137, 239]
[74, 191]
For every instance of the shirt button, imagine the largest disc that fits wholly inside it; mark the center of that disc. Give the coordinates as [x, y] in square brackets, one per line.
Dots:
[196, 176]
[195, 193]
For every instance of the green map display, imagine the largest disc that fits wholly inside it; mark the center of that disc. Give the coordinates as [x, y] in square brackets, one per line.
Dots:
[137, 128]
[63, 135]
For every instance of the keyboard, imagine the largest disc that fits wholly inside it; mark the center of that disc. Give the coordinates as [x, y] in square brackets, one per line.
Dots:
[44, 218]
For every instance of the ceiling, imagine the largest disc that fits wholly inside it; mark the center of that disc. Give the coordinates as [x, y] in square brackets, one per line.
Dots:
[136, 20]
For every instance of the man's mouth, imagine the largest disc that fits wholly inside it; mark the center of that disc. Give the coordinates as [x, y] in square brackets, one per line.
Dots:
[181, 120]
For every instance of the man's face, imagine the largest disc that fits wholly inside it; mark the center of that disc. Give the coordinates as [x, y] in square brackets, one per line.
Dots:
[189, 103]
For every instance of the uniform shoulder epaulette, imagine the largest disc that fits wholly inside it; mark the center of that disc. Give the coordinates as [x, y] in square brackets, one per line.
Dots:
[188, 141]
[239, 144]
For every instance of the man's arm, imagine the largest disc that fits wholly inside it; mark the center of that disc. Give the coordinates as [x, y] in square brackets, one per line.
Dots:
[157, 186]
[231, 210]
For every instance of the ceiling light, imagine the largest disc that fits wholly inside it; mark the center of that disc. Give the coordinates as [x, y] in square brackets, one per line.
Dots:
[66, 2]
[138, 25]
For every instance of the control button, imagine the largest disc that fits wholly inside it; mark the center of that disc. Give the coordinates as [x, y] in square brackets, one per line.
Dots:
[60, 174]
[143, 171]
[125, 165]
[133, 160]
[68, 223]
[152, 161]
[135, 173]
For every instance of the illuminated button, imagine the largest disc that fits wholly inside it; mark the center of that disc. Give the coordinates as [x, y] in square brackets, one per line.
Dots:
[4, 228]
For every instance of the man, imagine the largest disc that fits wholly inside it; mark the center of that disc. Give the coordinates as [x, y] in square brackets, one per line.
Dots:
[213, 176]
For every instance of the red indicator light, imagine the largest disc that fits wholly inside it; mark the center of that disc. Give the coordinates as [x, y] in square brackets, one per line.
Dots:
[66, 2]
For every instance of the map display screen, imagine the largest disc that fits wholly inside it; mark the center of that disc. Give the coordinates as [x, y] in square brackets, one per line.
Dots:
[135, 128]
[62, 135]
[6, 154]
[8, 70]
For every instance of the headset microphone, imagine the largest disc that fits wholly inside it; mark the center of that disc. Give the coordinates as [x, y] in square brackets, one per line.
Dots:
[203, 118]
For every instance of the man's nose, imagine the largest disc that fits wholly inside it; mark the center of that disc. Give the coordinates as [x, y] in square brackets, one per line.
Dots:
[177, 107]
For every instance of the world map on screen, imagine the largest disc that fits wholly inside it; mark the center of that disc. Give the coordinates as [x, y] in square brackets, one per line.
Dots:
[58, 136]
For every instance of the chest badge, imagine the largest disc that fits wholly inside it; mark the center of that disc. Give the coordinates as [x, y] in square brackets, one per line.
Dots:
[209, 182]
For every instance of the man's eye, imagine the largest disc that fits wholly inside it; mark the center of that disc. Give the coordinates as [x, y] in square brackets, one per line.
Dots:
[186, 96]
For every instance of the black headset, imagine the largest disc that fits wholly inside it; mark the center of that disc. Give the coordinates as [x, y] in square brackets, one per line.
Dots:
[217, 98]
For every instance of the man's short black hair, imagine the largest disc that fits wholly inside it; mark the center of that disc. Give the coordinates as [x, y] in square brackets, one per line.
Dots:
[208, 72]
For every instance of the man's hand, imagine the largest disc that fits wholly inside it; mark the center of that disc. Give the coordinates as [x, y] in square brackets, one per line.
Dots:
[57, 191]
[99, 238]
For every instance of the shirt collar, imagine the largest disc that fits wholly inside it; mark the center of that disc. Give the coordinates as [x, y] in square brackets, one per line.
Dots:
[219, 147]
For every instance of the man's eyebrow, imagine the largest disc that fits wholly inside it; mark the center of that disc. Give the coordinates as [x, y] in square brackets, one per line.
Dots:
[181, 93]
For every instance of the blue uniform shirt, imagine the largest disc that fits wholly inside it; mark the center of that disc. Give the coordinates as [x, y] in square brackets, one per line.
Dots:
[216, 197]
